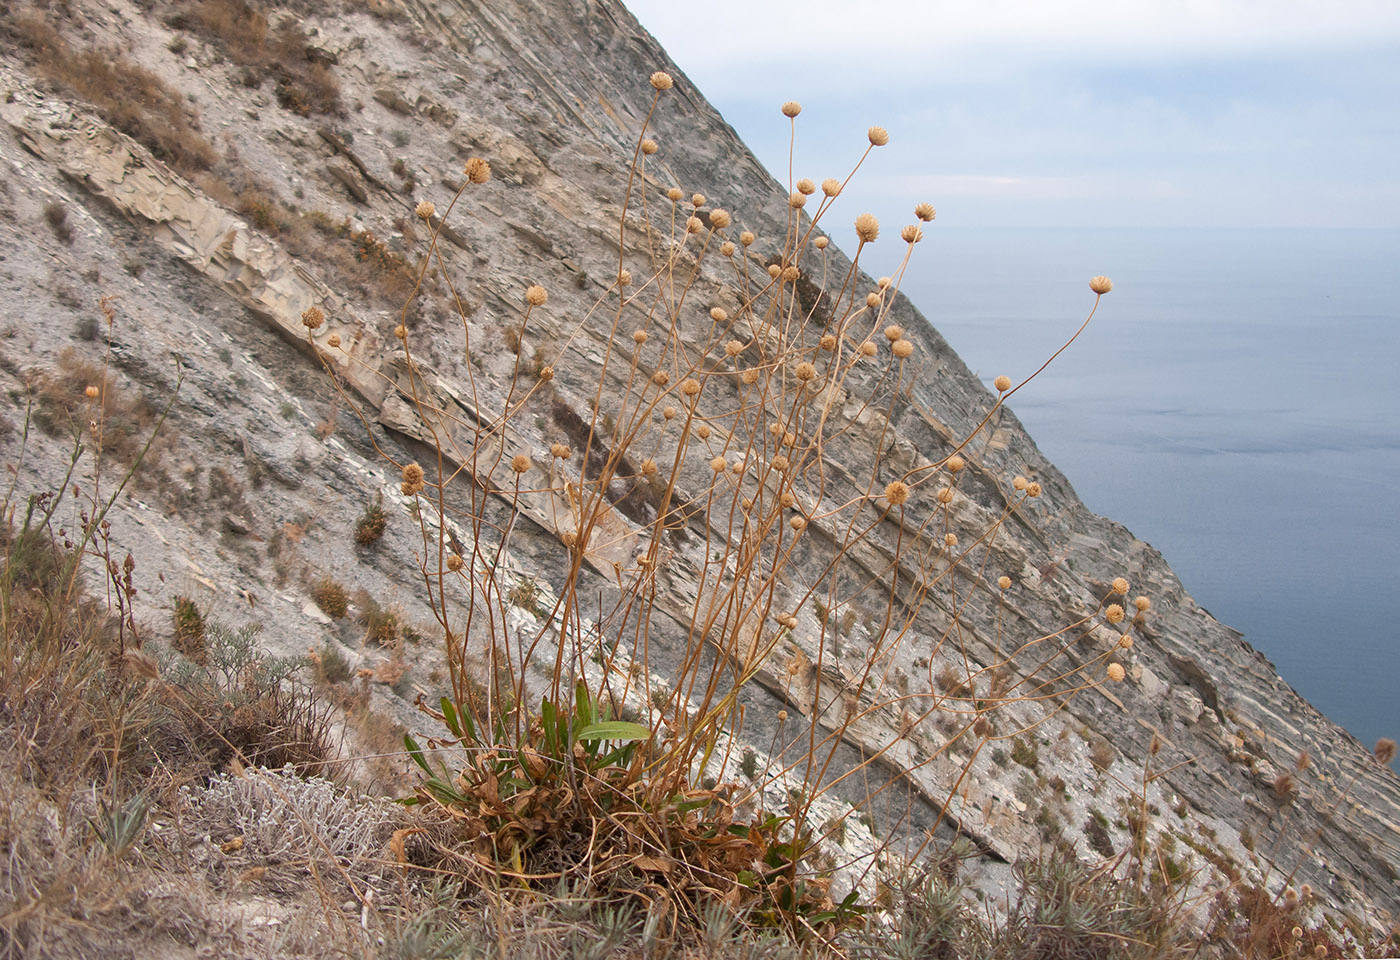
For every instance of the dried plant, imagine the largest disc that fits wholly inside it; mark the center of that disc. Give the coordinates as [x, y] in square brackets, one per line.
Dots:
[705, 441]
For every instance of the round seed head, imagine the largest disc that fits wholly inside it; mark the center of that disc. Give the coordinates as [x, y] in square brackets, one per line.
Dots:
[649, 468]
[774, 270]
[718, 465]
[911, 234]
[903, 349]
[791, 109]
[661, 378]
[1120, 585]
[675, 194]
[1385, 750]
[668, 413]
[806, 187]
[649, 146]
[477, 170]
[867, 227]
[798, 523]
[896, 492]
[560, 451]
[749, 376]
[401, 332]
[1115, 672]
[868, 349]
[454, 562]
[91, 392]
[1020, 483]
[1004, 582]
[425, 210]
[333, 340]
[312, 317]
[694, 225]
[796, 200]
[520, 463]
[546, 373]
[821, 242]
[776, 429]
[827, 343]
[955, 463]
[780, 463]
[789, 439]
[805, 371]
[703, 431]
[790, 273]
[1143, 604]
[894, 332]
[1002, 383]
[879, 136]
[747, 238]
[1126, 642]
[1114, 613]
[872, 300]
[1033, 488]
[831, 187]
[945, 495]
[661, 80]
[690, 387]
[884, 283]
[535, 295]
[624, 278]
[639, 337]
[719, 219]
[782, 716]
[727, 248]
[924, 212]
[412, 477]
[787, 500]
[733, 348]
[1100, 285]
[951, 539]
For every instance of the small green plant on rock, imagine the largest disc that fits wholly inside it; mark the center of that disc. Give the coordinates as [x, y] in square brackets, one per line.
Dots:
[370, 527]
[330, 596]
[188, 623]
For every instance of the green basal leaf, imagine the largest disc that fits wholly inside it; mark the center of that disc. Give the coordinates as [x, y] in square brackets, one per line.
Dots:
[613, 730]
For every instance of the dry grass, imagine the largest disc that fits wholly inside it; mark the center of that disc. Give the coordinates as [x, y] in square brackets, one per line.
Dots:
[130, 97]
[119, 420]
[99, 729]
[304, 82]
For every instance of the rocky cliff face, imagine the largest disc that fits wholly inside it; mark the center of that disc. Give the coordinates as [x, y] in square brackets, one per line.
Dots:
[263, 473]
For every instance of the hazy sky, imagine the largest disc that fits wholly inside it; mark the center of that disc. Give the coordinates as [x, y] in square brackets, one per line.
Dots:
[1024, 113]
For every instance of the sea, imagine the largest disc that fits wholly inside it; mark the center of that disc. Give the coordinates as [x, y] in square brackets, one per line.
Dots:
[1235, 402]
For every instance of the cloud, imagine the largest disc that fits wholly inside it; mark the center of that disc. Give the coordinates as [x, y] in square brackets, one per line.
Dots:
[832, 44]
